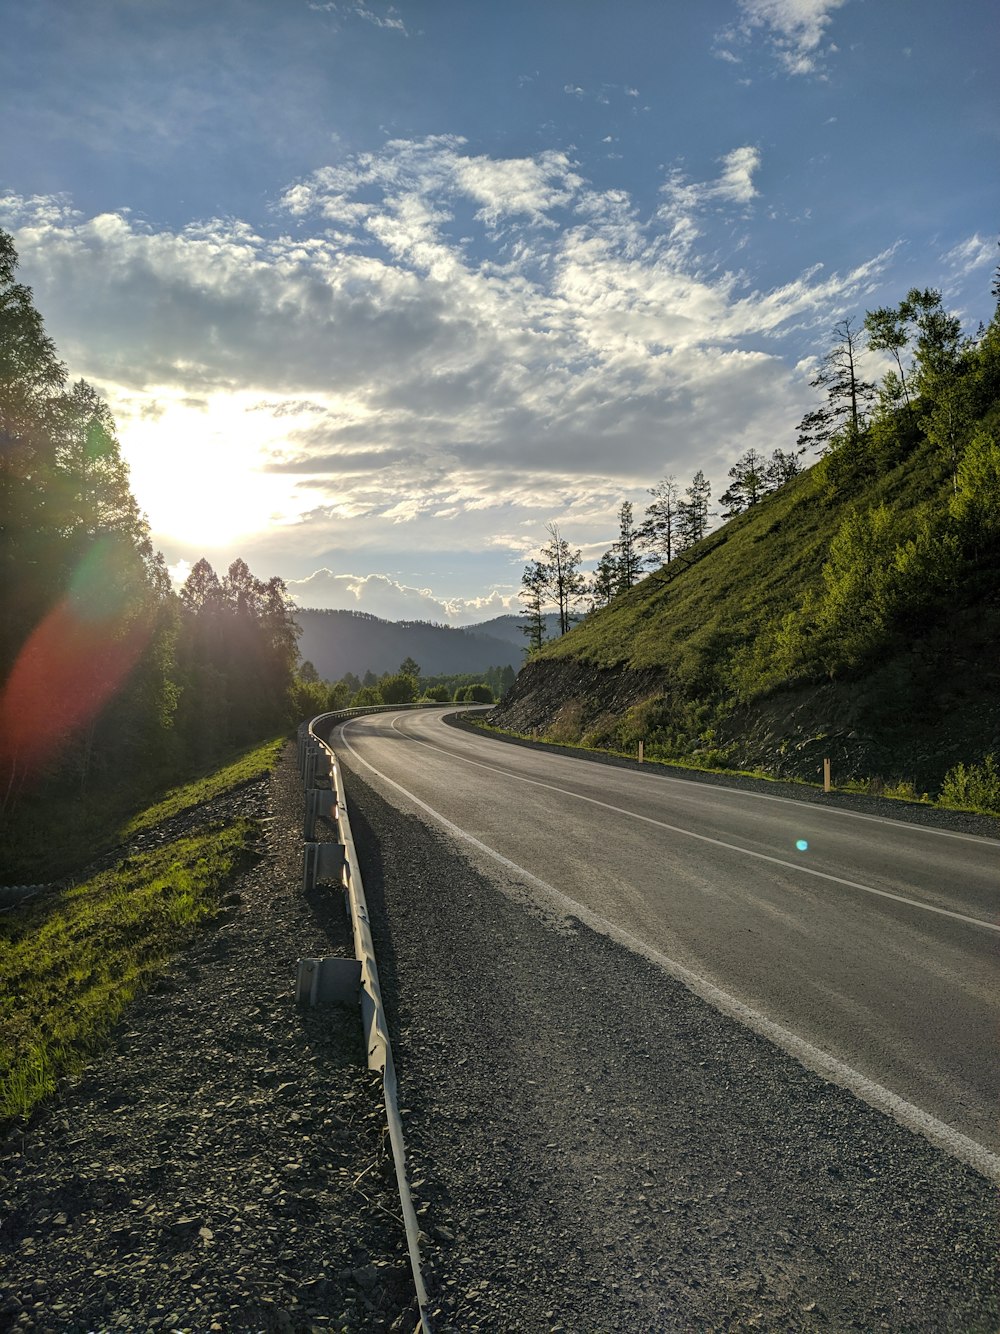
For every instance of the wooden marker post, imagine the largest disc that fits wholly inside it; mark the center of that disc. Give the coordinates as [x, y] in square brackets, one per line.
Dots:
[826, 775]
[641, 747]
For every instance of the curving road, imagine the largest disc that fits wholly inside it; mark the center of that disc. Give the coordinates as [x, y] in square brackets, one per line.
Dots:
[865, 947]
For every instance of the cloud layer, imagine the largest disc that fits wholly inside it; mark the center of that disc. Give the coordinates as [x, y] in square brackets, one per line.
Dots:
[435, 340]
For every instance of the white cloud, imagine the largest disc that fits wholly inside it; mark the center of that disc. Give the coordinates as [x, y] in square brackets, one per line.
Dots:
[974, 253]
[444, 349]
[796, 29]
[736, 181]
[734, 185]
[381, 595]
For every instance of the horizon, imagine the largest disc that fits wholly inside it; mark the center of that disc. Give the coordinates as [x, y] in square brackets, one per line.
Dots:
[376, 292]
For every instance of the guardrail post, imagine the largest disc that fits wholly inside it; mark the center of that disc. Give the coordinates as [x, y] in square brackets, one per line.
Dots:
[322, 862]
[320, 981]
[321, 804]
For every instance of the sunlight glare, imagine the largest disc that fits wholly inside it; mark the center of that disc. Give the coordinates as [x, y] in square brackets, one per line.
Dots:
[196, 469]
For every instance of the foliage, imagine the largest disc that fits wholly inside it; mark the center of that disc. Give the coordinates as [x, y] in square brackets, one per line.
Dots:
[441, 694]
[365, 697]
[477, 693]
[398, 689]
[112, 684]
[973, 787]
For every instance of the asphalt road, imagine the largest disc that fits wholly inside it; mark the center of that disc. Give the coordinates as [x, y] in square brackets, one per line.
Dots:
[865, 947]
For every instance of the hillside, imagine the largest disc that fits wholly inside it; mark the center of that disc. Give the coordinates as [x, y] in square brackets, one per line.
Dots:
[853, 613]
[511, 630]
[336, 642]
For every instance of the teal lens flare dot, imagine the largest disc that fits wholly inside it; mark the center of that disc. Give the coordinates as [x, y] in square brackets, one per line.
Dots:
[802, 845]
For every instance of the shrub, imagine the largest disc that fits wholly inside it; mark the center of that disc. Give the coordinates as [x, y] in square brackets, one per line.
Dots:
[366, 696]
[976, 786]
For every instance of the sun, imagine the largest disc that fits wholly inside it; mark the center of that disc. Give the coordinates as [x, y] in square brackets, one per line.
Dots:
[197, 468]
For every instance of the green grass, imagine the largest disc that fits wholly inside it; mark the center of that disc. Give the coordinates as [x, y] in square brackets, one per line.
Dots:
[251, 764]
[972, 788]
[70, 964]
[42, 844]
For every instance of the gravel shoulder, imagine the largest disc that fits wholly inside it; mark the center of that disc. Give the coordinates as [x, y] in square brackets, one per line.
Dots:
[594, 1148]
[223, 1165]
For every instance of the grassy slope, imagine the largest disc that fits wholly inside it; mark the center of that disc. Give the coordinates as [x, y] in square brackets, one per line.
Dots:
[747, 575]
[71, 962]
[691, 647]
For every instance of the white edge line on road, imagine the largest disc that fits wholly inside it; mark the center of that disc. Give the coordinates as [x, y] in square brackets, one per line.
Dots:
[876, 1095]
[716, 842]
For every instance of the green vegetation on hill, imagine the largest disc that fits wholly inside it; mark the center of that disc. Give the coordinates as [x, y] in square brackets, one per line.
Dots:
[857, 606]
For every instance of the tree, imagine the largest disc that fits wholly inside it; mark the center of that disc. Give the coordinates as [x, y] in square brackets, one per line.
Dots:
[658, 532]
[398, 689]
[534, 584]
[748, 485]
[887, 332]
[604, 582]
[782, 467]
[847, 394]
[938, 336]
[629, 558]
[564, 582]
[366, 696]
[409, 668]
[693, 514]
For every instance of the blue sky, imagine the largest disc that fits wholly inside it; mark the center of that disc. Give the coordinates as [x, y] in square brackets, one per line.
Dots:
[376, 292]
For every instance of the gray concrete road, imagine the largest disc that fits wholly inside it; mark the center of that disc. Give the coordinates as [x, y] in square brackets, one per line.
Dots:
[864, 946]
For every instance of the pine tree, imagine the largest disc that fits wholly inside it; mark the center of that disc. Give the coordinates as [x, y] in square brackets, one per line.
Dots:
[748, 485]
[534, 584]
[658, 532]
[693, 514]
[604, 582]
[565, 583]
[629, 560]
[847, 394]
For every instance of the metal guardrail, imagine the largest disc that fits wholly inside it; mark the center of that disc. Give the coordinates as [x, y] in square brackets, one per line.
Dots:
[325, 800]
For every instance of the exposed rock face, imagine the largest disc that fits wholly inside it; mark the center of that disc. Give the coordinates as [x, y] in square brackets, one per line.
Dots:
[572, 697]
[889, 726]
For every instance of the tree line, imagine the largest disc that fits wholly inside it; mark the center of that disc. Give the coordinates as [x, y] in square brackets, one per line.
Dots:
[109, 676]
[940, 383]
[408, 684]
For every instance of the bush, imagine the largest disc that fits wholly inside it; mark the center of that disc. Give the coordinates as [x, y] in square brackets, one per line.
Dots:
[398, 689]
[441, 694]
[480, 693]
[367, 695]
[975, 787]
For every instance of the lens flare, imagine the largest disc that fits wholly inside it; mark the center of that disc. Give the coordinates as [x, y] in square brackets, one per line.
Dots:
[802, 845]
[71, 664]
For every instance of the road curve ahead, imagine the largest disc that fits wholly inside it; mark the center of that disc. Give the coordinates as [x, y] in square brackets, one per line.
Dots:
[866, 947]
[606, 989]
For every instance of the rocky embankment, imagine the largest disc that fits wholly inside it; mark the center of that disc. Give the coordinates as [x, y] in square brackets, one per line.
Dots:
[223, 1165]
[885, 727]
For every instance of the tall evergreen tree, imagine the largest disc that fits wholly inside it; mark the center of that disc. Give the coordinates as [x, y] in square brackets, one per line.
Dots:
[629, 558]
[748, 485]
[534, 584]
[847, 394]
[565, 584]
[658, 531]
[693, 513]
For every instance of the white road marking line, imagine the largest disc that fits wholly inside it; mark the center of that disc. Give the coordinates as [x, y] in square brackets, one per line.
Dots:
[823, 1063]
[718, 842]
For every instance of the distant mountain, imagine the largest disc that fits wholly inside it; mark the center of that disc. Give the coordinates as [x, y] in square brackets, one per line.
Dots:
[508, 628]
[337, 642]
